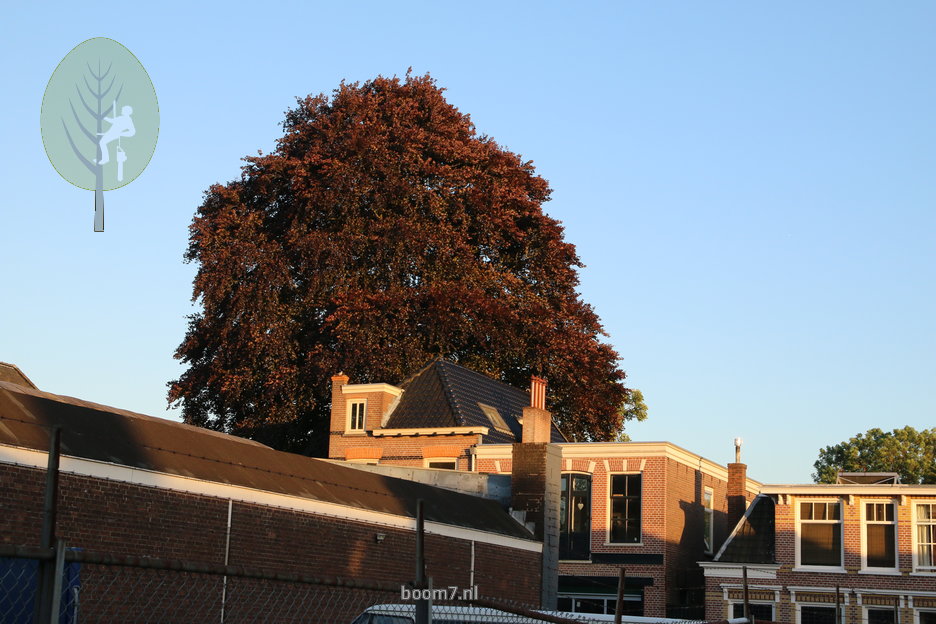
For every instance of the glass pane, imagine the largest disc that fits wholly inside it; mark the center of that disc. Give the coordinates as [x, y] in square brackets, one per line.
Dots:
[817, 615]
[821, 544]
[927, 617]
[880, 616]
[806, 511]
[881, 546]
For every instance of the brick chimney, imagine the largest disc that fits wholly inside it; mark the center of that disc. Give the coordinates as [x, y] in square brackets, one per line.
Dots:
[537, 422]
[737, 488]
[338, 408]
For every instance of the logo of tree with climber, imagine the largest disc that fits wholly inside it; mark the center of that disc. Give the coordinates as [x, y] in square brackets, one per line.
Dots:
[100, 119]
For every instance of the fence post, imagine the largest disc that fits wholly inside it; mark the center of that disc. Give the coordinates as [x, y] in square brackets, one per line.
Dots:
[423, 615]
[45, 579]
[619, 608]
[747, 606]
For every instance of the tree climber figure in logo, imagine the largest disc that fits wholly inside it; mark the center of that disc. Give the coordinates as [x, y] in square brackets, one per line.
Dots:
[121, 126]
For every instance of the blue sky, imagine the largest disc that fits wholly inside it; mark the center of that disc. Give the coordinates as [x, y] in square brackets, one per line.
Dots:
[750, 187]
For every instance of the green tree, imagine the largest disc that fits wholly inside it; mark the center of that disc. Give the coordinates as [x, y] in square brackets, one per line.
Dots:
[383, 231]
[908, 452]
[633, 408]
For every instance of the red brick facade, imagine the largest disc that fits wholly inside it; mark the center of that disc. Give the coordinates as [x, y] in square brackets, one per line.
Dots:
[672, 517]
[788, 586]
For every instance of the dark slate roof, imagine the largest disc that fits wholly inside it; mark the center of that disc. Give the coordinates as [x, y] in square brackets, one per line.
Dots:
[754, 539]
[444, 394]
[97, 432]
[12, 374]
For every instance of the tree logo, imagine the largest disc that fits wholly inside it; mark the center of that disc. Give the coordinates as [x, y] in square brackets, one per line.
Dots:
[100, 119]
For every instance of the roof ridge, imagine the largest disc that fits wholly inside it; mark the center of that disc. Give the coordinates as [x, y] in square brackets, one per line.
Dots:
[449, 395]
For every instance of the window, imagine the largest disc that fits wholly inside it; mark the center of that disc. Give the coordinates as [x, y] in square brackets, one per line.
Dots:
[926, 617]
[817, 615]
[879, 616]
[926, 537]
[625, 508]
[448, 464]
[494, 416]
[709, 527]
[880, 536]
[356, 413]
[820, 536]
[575, 516]
[763, 611]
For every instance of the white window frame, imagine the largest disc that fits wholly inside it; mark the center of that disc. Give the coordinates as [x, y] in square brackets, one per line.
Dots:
[866, 608]
[914, 522]
[709, 515]
[864, 536]
[917, 611]
[349, 407]
[821, 605]
[799, 536]
[609, 511]
[773, 607]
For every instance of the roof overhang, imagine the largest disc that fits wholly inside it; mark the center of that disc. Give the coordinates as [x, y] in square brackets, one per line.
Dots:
[848, 489]
[371, 387]
[429, 431]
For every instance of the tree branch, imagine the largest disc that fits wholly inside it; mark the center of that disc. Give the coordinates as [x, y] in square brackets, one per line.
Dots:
[87, 133]
[103, 95]
[87, 108]
[85, 161]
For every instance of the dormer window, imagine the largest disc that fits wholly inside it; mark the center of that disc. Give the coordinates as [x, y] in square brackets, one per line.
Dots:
[357, 408]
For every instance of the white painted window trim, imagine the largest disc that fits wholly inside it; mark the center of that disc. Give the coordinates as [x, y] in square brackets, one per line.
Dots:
[822, 605]
[608, 511]
[797, 543]
[914, 523]
[864, 536]
[348, 407]
[916, 613]
[866, 608]
[729, 609]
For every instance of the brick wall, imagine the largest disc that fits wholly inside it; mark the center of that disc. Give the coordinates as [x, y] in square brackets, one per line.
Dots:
[127, 519]
[853, 579]
[403, 451]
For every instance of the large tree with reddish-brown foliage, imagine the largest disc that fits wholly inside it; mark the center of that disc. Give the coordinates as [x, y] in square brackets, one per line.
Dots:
[382, 232]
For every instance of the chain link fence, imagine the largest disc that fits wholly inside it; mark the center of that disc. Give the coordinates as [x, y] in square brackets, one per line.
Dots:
[106, 589]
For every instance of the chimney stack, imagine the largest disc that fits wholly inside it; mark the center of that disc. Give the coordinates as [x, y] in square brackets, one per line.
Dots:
[537, 422]
[737, 488]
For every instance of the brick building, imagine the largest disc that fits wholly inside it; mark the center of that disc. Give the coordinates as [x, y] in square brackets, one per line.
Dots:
[869, 536]
[134, 485]
[651, 507]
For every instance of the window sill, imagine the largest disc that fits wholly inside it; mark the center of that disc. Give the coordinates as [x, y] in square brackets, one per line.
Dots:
[575, 561]
[923, 573]
[881, 571]
[826, 569]
[615, 544]
[355, 433]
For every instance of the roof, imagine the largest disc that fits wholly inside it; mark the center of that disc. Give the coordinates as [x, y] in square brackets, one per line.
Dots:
[12, 374]
[753, 540]
[444, 394]
[96, 432]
